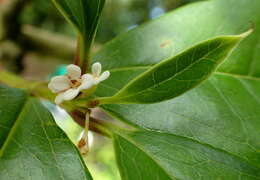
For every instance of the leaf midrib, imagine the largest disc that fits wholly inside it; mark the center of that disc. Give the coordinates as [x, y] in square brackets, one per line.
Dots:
[92, 30]
[195, 141]
[165, 80]
[66, 15]
[14, 127]
[239, 76]
[150, 156]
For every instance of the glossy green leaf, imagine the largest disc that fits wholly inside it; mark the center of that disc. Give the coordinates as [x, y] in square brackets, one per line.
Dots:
[222, 113]
[180, 29]
[32, 146]
[176, 75]
[161, 156]
[84, 16]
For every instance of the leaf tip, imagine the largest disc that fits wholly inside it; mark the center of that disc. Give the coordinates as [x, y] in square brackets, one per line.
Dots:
[247, 33]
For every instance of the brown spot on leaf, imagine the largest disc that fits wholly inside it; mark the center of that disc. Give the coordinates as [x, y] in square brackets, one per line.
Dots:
[165, 43]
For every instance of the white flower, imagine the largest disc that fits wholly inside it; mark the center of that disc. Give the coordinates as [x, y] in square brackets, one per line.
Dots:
[96, 73]
[69, 85]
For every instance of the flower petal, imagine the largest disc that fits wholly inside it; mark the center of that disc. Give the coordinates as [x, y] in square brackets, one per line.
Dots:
[96, 69]
[59, 98]
[87, 77]
[86, 85]
[87, 82]
[73, 71]
[104, 76]
[59, 83]
[71, 94]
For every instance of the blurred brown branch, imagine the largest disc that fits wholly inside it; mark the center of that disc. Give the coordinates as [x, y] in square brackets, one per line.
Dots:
[9, 32]
[16, 40]
[10, 11]
[48, 43]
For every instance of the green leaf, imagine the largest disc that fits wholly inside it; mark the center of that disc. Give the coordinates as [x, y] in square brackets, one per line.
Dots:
[32, 146]
[176, 75]
[223, 112]
[143, 167]
[156, 155]
[84, 16]
[180, 29]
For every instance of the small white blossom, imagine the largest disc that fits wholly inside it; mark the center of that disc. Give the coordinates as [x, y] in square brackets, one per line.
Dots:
[68, 86]
[96, 73]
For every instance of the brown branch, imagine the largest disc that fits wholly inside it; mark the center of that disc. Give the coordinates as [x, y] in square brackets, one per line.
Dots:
[48, 43]
[77, 54]
[79, 118]
[28, 38]
[10, 11]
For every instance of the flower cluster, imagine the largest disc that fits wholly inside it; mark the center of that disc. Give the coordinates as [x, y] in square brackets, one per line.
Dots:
[68, 86]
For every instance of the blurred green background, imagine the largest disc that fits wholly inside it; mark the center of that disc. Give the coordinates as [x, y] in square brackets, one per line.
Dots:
[36, 42]
[118, 15]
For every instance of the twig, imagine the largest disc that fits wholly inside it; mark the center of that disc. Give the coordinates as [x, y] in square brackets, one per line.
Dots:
[95, 125]
[77, 54]
[48, 43]
[10, 11]
[83, 143]
[11, 28]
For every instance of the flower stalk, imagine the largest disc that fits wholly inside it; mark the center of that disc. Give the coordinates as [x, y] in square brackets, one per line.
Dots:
[83, 143]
